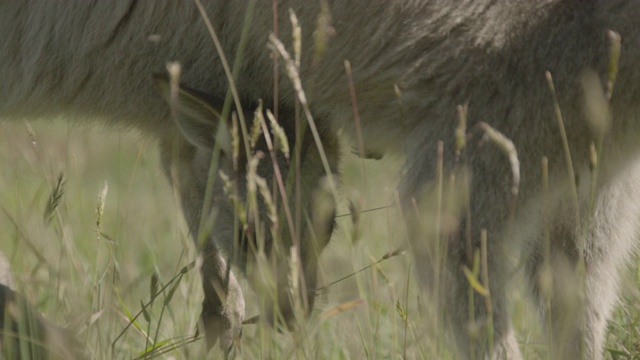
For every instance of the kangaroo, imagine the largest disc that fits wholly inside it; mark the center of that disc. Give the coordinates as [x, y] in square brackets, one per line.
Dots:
[518, 66]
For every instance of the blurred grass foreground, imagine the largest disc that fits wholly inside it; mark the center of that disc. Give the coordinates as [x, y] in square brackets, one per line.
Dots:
[86, 256]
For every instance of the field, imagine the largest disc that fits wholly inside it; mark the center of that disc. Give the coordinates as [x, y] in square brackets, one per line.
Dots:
[88, 283]
[91, 274]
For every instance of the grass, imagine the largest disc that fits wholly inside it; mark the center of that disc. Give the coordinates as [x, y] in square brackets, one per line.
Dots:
[91, 282]
[88, 281]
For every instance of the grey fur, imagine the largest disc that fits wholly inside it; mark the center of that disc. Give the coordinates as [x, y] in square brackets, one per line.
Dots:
[93, 60]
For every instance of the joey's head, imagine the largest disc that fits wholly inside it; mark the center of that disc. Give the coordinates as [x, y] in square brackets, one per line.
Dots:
[269, 210]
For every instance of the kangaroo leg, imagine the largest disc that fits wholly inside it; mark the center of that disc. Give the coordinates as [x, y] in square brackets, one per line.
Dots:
[480, 322]
[445, 223]
[578, 300]
[223, 304]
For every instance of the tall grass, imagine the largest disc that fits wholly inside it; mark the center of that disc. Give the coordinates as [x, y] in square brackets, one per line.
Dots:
[93, 284]
[98, 245]
[93, 279]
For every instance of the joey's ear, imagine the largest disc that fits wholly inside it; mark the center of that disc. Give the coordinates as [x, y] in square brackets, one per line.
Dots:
[198, 120]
